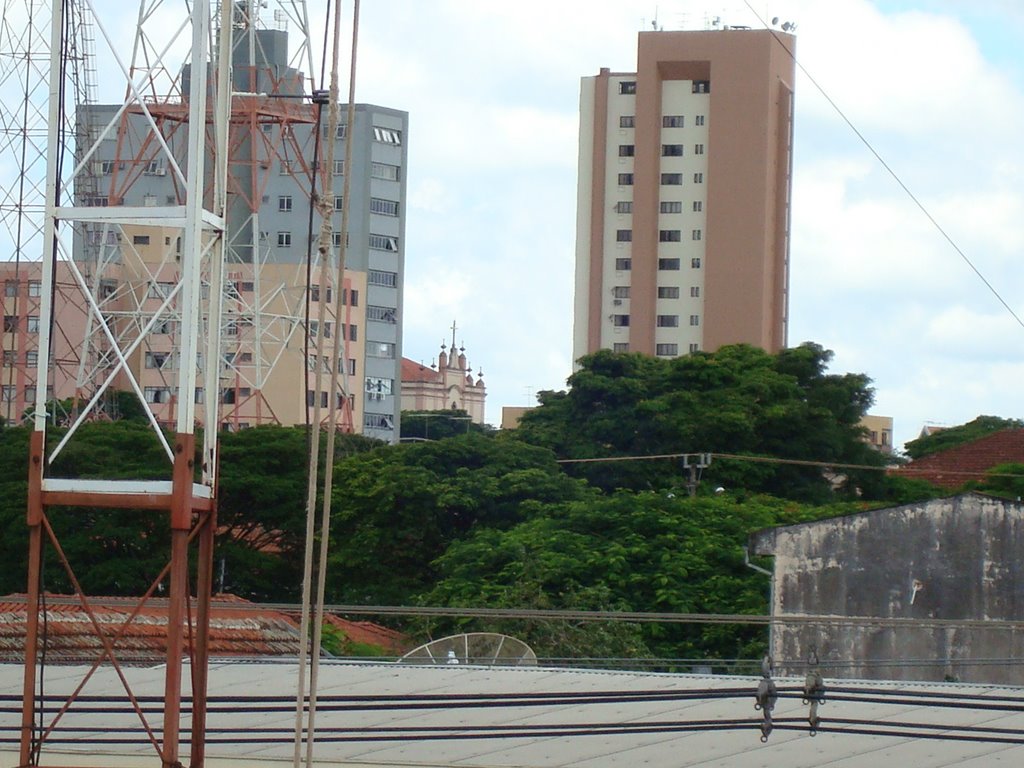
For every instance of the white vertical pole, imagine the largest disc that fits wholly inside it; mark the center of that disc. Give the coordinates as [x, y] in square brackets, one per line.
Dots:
[192, 238]
[50, 222]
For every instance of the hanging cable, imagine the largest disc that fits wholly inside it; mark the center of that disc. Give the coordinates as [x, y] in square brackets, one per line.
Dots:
[895, 176]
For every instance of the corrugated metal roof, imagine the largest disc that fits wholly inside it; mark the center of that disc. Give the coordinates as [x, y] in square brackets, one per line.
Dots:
[634, 719]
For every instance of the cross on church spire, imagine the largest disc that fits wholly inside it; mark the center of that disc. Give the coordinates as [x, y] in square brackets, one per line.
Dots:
[454, 328]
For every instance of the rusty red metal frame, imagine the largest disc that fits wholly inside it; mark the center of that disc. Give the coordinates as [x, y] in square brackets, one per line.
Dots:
[191, 519]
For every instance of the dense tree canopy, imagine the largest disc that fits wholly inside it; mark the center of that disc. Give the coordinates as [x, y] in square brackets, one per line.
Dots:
[398, 508]
[645, 551]
[738, 400]
[437, 425]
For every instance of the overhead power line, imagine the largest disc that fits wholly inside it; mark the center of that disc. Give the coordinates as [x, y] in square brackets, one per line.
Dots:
[896, 177]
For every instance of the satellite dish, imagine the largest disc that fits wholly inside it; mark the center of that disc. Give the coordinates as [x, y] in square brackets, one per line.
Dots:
[775, 21]
[486, 649]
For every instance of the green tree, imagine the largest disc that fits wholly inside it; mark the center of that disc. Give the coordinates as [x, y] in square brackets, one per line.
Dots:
[738, 400]
[642, 551]
[399, 507]
[437, 425]
[953, 436]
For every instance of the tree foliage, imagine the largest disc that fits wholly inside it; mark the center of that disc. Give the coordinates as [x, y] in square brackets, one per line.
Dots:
[945, 439]
[644, 551]
[739, 400]
[398, 508]
[437, 425]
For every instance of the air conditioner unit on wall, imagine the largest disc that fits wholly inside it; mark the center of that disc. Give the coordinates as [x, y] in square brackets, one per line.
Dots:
[617, 302]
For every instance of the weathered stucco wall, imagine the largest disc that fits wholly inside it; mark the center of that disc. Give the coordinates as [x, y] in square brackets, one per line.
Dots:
[955, 558]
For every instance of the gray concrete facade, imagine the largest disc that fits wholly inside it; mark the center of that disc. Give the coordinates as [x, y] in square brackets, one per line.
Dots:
[951, 566]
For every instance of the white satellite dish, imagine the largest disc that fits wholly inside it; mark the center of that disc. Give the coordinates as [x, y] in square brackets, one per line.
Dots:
[487, 649]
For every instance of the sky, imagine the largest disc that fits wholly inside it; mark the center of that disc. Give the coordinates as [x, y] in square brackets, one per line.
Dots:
[935, 87]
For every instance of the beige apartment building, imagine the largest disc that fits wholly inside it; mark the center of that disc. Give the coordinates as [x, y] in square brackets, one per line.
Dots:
[265, 374]
[682, 239]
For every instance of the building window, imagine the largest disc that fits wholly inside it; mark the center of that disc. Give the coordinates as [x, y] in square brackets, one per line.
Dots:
[339, 202]
[698, 206]
[627, 87]
[623, 265]
[698, 149]
[382, 314]
[620, 347]
[384, 171]
[284, 203]
[339, 167]
[620, 321]
[672, 121]
[694, 291]
[385, 279]
[350, 369]
[377, 388]
[164, 327]
[698, 178]
[33, 323]
[341, 132]
[10, 323]
[668, 321]
[694, 319]
[698, 120]
[140, 240]
[626, 150]
[314, 329]
[625, 179]
[694, 347]
[9, 358]
[702, 86]
[314, 293]
[620, 292]
[311, 398]
[336, 239]
[11, 288]
[349, 294]
[159, 290]
[383, 207]
[157, 394]
[154, 168]
[666, 350]
[668, 292]
[32, 358]
[387, 136]
[284, 239]
[624, 235]
[624, 207]
[669, 236]
[668, 264]
[671, 150]
[695, 262]
[696, 234]
[378, 421]
[627, 121]
[353, 333]
[384, 349]
[286, 168]
[384, 243]
[157, 359]
[10, 393]
[672, 179]
[672, 207]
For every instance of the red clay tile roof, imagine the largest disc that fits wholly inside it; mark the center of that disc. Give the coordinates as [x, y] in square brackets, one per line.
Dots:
[955, 466]
[238, 628]
[413, 371]
[373, 634]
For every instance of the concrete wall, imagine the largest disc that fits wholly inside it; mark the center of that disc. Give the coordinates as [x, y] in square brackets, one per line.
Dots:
[948, 559]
